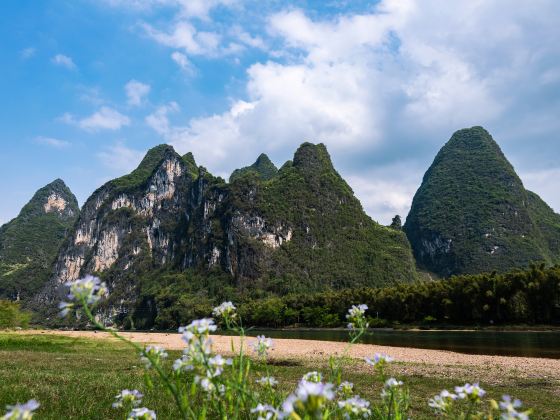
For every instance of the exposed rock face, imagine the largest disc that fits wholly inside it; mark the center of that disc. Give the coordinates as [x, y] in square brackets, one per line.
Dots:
[302, 225]
[472, 214]
[29, 243]
[131, 217]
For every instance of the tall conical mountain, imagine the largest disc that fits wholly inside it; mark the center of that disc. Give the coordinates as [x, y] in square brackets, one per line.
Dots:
[171, 226]
[472, 214]
[29, 243]
[263, 168]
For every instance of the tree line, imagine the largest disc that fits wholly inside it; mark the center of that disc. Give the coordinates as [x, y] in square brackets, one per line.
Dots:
[530, 296]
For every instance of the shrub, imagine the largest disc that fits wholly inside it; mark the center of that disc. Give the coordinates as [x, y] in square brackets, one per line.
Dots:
[11, 315]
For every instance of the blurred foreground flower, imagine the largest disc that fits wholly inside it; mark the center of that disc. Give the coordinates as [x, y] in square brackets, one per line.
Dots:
[267, 381]
[84, 291]
[128, 398]
[226, 311]
[152, 354]
[264, 412]
[262, 345]
[509, 409]
[379, 359]
[356, 317]
[355, 406]
[308, 400]
[470, 392]
[21, 411]
[442, 403]
[142, 414]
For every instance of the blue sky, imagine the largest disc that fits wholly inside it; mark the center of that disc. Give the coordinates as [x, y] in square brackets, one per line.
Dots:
[89, 85]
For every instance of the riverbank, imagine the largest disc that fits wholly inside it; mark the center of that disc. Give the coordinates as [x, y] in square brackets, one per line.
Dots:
[76, 374]
[410, 361]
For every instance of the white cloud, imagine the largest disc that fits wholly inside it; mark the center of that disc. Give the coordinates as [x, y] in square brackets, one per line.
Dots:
[186, 8]
[105, 119]
[397, 80]
[183, 62]
[185, 36]
[544, 182]
[27, 53]
[52, 142]
[63, 61]
[159, 120]
[387, 190]
[120, 158]
[136, 92]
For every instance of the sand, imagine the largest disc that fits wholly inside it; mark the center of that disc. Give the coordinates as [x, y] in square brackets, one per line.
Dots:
[495, 369]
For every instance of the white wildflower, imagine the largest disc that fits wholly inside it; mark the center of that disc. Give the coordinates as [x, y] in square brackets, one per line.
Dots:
[264, 411]
[346, 389]
[21, 411]
[128, 397]
[198, 327]
[442, 402]
[471, 392]
[226, 310]
[355, 406]
[379, 359]
[142, 414]
[509, 409]
[356, 317]
[262, 345]
[152, 352]
[267, 381]
[312, 377]
[182, 364]
[389, 387]
[216, 366]
[309, 397]
[85, 290]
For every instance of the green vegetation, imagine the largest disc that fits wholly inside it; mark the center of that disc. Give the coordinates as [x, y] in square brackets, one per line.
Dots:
[519, 297]
[78, 378]
[11, 315]
[334, 243]
[263, 168]
[29, 243]
[472, 214]
[149, 164]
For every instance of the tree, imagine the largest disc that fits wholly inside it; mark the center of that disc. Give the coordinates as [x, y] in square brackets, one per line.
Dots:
[396, 223]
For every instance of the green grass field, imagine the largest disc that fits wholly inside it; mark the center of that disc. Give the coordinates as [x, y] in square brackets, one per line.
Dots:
[78, 378]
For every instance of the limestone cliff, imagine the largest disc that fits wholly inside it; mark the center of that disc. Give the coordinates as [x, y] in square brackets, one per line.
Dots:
[298, 229]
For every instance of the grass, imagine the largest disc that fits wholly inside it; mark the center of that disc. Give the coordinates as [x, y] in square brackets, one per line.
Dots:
[78, 378]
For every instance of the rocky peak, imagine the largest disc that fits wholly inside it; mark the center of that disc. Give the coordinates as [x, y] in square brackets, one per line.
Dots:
[471, 213]
[313, 158]
[263, 168]
[54, 198]
[29, 243]
[154, 159]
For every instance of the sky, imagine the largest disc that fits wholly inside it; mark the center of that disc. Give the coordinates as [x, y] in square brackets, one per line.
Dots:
[88, 86]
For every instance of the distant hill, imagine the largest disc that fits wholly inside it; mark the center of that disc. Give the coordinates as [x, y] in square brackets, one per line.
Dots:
[29, 243]
[472, 213]
[172, 224]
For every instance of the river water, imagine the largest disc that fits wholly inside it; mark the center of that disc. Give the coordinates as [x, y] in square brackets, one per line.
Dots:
[504, 343]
